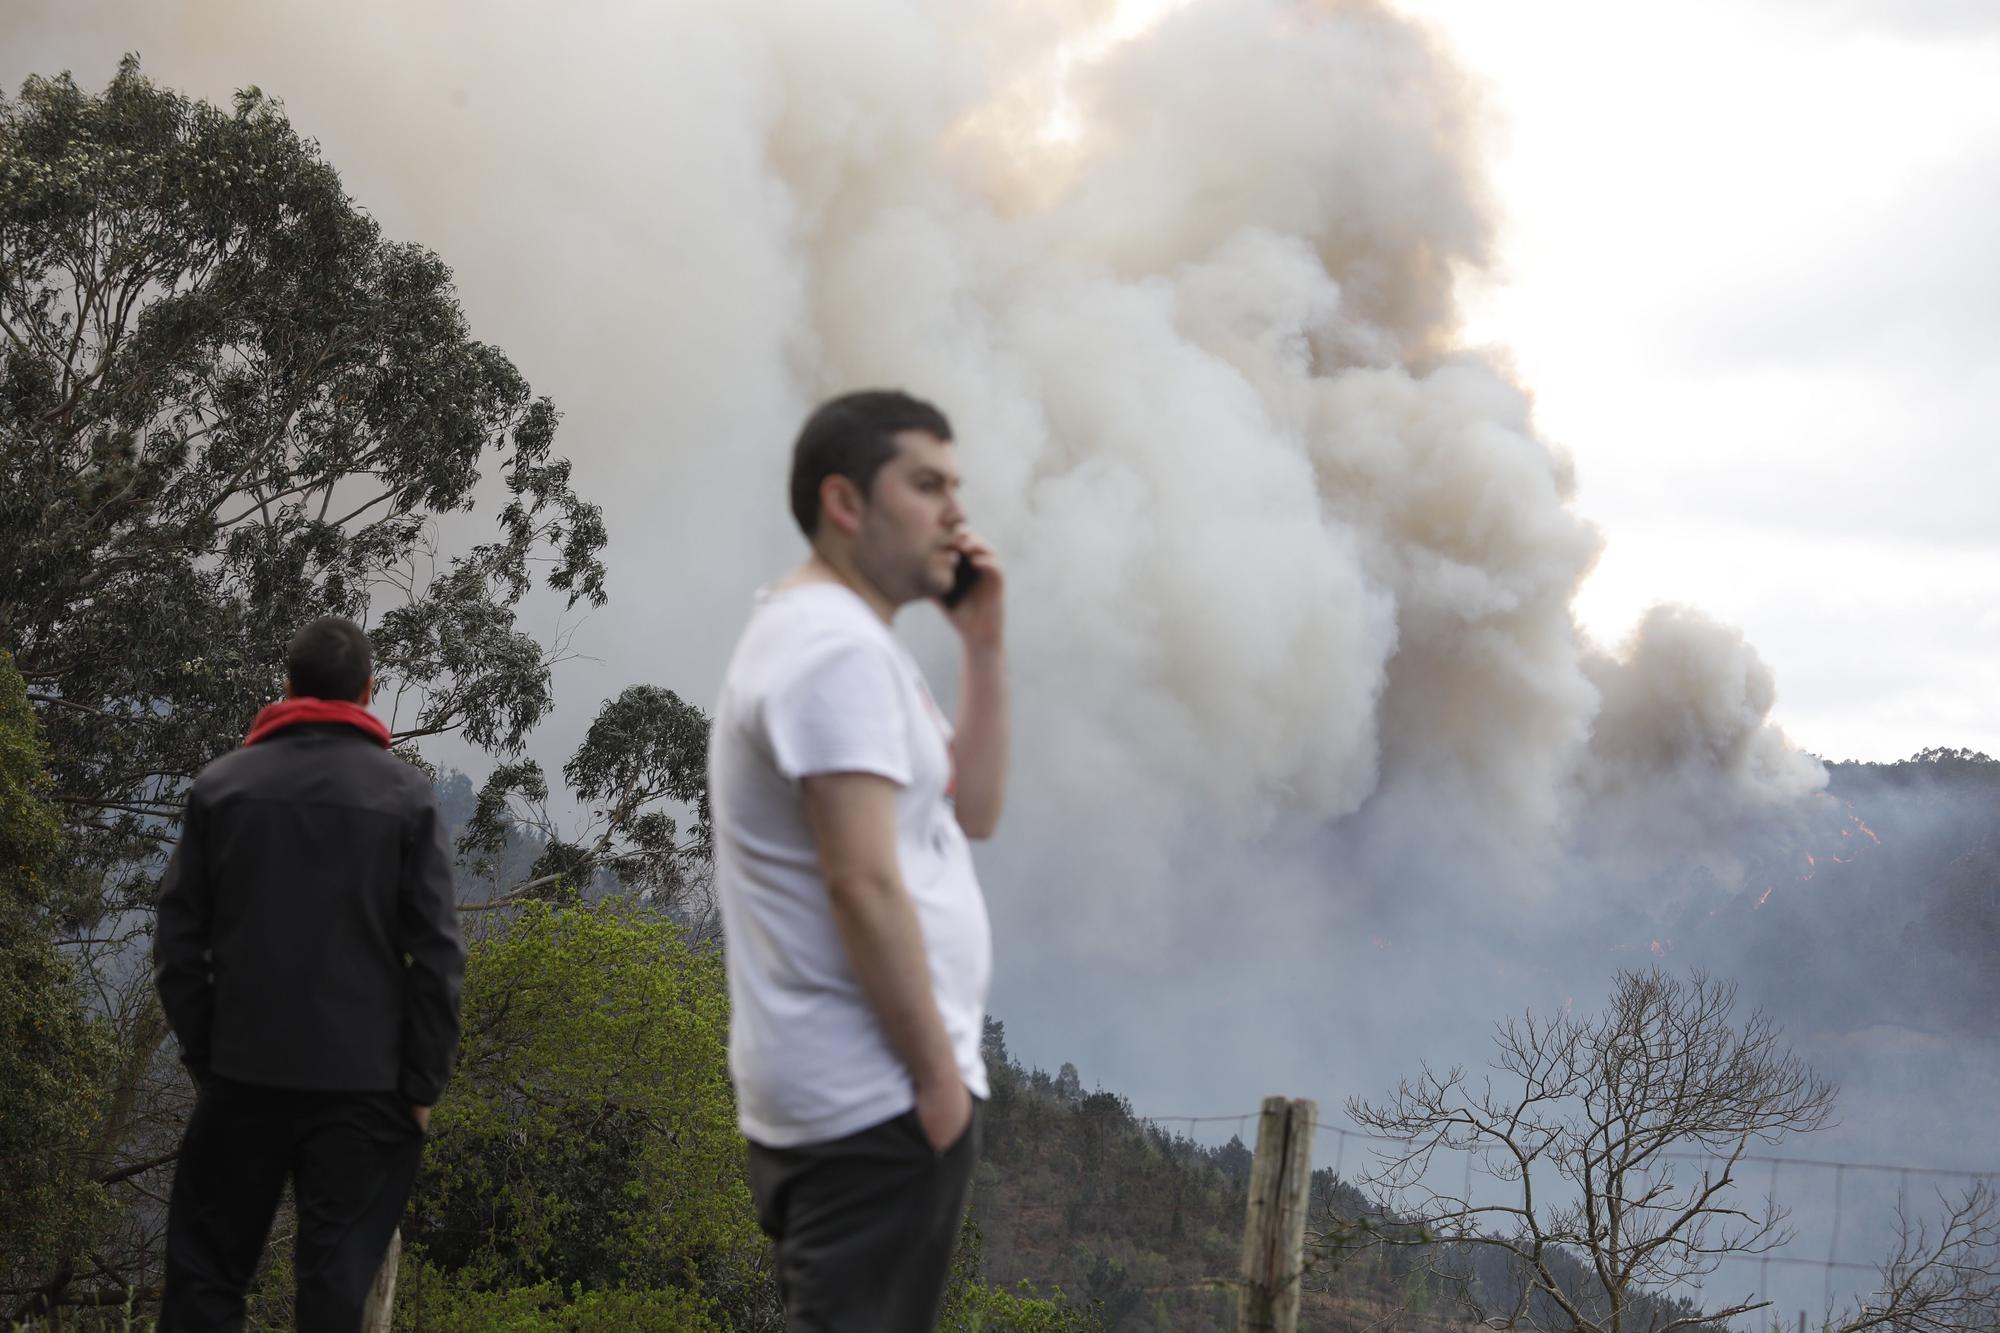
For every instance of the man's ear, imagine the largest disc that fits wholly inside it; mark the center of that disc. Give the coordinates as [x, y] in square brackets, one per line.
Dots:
[841, 503]
[288, 686]
[367, 692]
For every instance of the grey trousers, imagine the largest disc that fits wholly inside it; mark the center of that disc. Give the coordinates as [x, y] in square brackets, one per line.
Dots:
[865, 1226]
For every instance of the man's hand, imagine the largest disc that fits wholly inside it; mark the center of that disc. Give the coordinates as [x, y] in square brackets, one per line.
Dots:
[980, 618]
[944, 1109]
[979, 747]
[422, 1115]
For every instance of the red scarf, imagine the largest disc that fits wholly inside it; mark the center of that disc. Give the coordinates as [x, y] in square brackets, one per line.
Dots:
[274, 718]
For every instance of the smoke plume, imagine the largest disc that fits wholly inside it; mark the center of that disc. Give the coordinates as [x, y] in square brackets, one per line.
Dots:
[1291, 570]
[1316, 774]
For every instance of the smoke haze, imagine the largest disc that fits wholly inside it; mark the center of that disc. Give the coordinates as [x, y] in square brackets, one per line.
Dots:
[1315, 774]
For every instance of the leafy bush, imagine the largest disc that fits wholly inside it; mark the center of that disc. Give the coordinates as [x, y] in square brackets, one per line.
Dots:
[429, 1301]
[589, 1140]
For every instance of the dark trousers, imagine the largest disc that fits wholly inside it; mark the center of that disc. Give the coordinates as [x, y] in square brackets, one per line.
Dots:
[865, 1225]
[351, 1156]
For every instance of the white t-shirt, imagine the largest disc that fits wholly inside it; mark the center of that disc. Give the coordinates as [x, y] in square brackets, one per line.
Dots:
[818, 684]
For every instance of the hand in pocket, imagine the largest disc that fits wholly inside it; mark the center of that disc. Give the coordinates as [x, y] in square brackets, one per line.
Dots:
[945, 1112]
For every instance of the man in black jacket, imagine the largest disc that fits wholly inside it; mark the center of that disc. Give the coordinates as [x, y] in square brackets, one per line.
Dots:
[308, 957]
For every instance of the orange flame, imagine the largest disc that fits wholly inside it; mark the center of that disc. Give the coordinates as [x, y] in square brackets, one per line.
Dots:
[1855, 820]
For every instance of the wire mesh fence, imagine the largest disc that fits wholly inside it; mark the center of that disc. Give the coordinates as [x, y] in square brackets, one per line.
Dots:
[1841, 1218]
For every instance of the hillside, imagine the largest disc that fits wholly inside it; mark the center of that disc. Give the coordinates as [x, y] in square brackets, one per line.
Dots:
[1139, 1226]
[1879, 909]
[1142, 1227]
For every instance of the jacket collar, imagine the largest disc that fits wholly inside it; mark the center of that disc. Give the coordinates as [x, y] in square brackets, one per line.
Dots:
[273, 718]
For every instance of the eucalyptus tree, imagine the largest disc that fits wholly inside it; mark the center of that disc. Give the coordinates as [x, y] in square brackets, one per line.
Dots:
[644, 758]
[228, 403]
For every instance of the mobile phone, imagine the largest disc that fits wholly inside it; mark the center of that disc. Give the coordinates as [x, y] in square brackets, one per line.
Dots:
[963, 575]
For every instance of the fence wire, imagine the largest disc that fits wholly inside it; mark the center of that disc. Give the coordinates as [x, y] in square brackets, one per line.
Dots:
[1814, 1192]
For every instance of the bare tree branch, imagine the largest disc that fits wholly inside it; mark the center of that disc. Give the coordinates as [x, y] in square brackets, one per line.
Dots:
[1594, 1107]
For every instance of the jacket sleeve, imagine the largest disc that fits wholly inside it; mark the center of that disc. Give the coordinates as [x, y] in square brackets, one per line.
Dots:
[434, 971]
[181, 942]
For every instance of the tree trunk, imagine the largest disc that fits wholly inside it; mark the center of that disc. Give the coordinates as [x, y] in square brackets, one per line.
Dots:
[375, 1315]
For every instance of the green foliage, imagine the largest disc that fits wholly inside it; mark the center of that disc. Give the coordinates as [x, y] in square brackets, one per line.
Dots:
[29, 831]
[228, 404]
[589, 1138]
[1132, 1224]
[430, 1301]
[993, 1309]
[972, 1306]
[646, 747]
[586, 1168]
[53, 1058]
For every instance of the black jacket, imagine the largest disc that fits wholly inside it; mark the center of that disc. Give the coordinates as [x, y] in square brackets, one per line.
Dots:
[307, 935]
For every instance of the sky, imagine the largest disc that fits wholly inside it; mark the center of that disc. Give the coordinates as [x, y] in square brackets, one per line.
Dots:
[1747, 267]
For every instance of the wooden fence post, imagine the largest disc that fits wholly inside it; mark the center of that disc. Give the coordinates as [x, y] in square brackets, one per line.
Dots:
[1274, 1231]
[381, 1305]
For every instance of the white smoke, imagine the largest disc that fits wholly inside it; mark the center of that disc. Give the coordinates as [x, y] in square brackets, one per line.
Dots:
[1300, 696]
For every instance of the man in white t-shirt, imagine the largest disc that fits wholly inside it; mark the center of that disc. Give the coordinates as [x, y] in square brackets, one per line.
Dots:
[856, 936]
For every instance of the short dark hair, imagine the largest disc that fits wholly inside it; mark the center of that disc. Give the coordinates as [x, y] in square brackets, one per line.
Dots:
[329, 659]
[852, 436]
